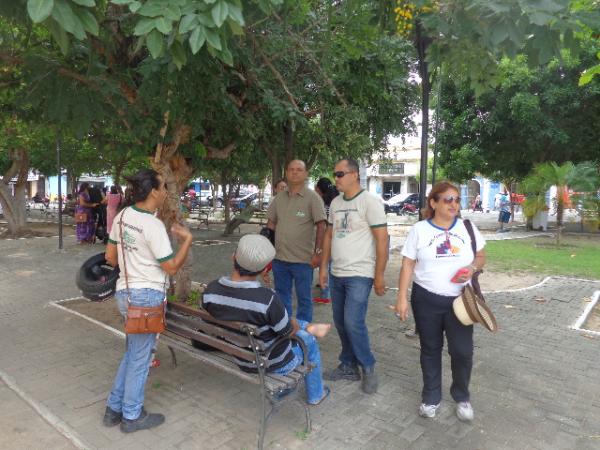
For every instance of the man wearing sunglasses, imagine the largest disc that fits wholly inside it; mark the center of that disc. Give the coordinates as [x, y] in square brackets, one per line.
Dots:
[356, 240]
[298, 216]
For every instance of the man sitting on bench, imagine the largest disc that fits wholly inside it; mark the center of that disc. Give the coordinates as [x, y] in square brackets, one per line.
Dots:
[241, 297]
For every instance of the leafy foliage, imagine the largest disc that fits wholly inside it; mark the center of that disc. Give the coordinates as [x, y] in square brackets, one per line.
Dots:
[532, 116]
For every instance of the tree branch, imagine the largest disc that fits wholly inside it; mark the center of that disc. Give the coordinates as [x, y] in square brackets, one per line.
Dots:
[275, 73]
[219, 153]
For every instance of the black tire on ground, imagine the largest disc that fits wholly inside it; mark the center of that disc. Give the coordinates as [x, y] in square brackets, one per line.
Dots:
[96, 279]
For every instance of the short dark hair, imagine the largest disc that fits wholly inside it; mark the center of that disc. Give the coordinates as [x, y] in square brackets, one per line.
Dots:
[352, 164]
[243, 272]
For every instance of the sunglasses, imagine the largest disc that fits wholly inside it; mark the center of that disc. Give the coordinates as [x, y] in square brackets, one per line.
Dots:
[451, 198]
[340, 174]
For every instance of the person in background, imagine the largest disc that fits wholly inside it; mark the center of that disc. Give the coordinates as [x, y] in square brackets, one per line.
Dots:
[328, 192]
[298, 218]
[113, 201]
[504, 215]
[280, 186]
[438, 252]
[85, 230]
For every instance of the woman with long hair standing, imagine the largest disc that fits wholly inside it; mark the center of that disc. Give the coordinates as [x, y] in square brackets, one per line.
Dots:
[439, 254]
[140, 246]
[85, 229]
[113, 201]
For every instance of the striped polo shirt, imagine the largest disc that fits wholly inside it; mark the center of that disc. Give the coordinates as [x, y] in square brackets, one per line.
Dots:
[248, 301]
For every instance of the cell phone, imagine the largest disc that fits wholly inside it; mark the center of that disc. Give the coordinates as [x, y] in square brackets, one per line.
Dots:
[458, 274]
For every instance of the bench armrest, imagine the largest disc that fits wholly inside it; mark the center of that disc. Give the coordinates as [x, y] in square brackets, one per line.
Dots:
[291, 338]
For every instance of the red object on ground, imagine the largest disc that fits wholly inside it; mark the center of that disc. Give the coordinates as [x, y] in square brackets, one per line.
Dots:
[155, 363]
[325, 301]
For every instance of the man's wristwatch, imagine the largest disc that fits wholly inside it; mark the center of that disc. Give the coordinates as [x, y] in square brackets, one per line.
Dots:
[318, 251]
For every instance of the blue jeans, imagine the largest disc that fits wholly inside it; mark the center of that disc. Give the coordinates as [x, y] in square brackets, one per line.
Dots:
[349, 301]
[325, 291]
[312, 380]
[301, 275]
[127, 393]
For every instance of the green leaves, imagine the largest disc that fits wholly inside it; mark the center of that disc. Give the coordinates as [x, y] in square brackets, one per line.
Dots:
[144, 26]
[213, 39]
[72, 16]
[64, 15]
[39, 10]
[219, 13]
[197, 39]
[155, 43]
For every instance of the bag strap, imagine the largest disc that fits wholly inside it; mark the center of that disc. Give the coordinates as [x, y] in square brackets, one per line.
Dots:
[475, 277]
[124, 255]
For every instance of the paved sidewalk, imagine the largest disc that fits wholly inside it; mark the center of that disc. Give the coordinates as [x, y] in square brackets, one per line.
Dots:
[534, 383]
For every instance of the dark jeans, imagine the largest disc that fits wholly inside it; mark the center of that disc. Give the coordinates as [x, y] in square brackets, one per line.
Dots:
[434, 316]
[349, 301]
[298, 275]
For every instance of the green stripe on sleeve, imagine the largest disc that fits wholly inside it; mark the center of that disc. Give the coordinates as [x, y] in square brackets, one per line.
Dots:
[112, 242]
[379, 225]
[166, 258]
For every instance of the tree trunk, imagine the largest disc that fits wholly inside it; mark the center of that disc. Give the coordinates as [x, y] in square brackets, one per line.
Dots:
[226, 206]
[176, 172]
[560, 208]
[288, 140]
[13, 204]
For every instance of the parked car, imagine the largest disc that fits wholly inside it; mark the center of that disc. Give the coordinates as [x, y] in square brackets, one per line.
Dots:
[238, 203]
[396, 203]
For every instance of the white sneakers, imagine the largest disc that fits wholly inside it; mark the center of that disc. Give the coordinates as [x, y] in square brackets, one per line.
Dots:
[428, 410]
[464, 411]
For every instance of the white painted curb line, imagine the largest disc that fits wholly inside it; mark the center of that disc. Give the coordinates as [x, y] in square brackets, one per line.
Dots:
[55, 422]
[56, 304]
[586, 312]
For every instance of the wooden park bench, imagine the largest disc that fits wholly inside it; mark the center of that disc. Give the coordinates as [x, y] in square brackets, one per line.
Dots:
[235, 340]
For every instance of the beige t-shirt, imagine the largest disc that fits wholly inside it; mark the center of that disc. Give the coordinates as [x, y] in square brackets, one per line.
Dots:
[295, 216]
[353, 245]
[147, 245]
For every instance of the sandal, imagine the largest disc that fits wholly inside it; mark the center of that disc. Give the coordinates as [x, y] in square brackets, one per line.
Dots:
[155, 363]
[326, 392]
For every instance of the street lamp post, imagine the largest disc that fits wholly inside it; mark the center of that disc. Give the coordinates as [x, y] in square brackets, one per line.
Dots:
[60, 202]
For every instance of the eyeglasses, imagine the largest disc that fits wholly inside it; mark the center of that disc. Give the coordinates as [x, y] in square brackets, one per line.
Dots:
[340, 174]
[451, 198]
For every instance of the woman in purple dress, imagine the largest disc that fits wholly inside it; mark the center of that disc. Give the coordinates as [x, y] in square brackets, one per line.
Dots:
[85, 230]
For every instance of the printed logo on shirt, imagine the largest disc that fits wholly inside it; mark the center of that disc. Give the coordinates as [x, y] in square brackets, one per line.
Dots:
[445, 248]
[300, 214]
[343, 225]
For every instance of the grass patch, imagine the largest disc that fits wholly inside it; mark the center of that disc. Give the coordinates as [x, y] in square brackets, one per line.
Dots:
[578, 256]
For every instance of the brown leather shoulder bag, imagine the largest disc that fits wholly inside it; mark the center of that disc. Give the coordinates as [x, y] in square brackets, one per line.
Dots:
[140, 319]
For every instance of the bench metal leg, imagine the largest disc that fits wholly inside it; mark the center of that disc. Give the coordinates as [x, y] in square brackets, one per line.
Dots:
[173, 357]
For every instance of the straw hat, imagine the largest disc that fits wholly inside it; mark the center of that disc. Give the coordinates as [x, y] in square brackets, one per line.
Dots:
[469, 308]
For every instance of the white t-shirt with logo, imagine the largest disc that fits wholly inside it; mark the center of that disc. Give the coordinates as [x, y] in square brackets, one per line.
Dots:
[440, 254]
[147, 245]
[353, 245]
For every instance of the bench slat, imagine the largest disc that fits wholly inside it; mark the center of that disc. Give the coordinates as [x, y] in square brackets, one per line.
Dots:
[246, 355]
[274, 383]
[196, 323]
[204, 315]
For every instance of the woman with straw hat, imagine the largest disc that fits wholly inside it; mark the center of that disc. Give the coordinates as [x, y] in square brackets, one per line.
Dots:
[439, 254]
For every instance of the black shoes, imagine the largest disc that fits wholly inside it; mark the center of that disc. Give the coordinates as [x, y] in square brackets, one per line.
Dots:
[144, 422]
[111, 418]
[342, 372]
[370, 383]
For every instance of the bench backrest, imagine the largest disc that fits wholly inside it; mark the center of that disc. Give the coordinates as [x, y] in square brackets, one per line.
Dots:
[234, 338]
